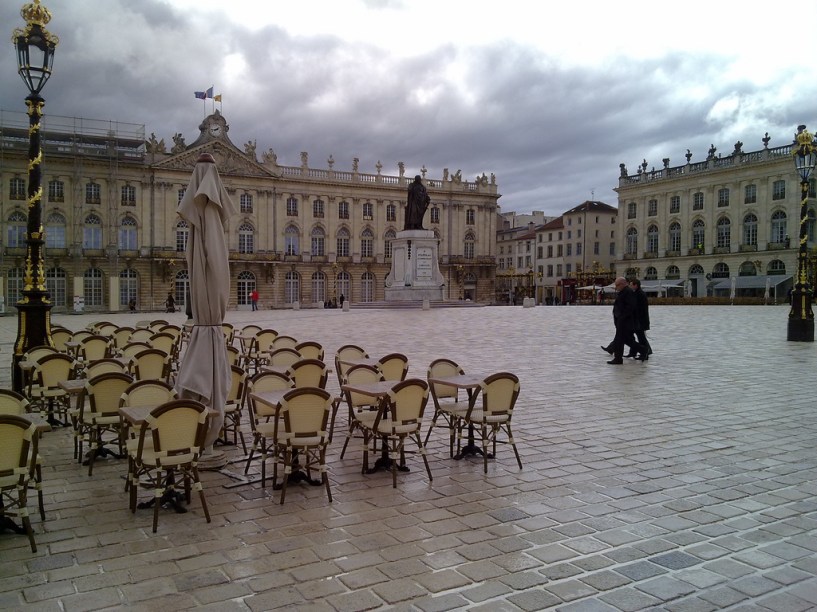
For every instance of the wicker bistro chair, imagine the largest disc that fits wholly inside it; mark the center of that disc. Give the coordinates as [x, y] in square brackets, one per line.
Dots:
[447, 404]
[151, 364]
[141, 334]
[394, 366]
[283, 357]
[398, 417]
[233, 356]
[94, 347]
[309, 349]
[347, 351]
[44, 391]
[284, 342]
[18, 448]
[13, 403]
[234, 407]
[33, 355]
[362, 410]
[99, 415]
[262, 418]
[121, 337]
[301, 430]
[309, 373]
[101, 366]
[130, 350]
[176, 430]
[59, 336]
[257, 353]
[499, 394]
[229, 333]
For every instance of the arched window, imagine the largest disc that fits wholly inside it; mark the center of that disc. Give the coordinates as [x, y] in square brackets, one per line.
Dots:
[342, 239]
[673, 272]
[92, 285]
[651, 273]
[92, 236]
[245, 284]
[675, 237]
[468, 246]
[246, 238]
[696, 270]
[632, 241]
[318, 241]
[652, 239]
[724, 231]
[344, 285]
[318, 286]
[747, 268]
[721, 270]
[750, 230]
[127, 235]
[367, 243]
[14, 287]
[55, 284]
[16, 232]
[367, 287]
[292, 287]
[698, 234]
[776, 267]
[779, 227]
[181, 286]
[182, 234]
[55, 231]
[291, 235]
[389, 236]
[128, 286]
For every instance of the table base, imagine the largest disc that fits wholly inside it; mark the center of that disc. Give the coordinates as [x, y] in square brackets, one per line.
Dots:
[169, 499]
[471, 449]
[101, 452]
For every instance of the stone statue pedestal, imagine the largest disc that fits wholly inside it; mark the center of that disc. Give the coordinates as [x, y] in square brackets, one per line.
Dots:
[415, 269]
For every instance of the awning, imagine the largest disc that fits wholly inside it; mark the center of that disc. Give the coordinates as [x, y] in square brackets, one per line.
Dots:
[650, 286]
[752, 282]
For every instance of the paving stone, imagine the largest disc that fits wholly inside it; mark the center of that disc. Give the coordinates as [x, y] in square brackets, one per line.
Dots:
[665, 588]
[675, 560]
[629, 599]
[534, 599]
[605, 580]
[785, 602]
[641, 570]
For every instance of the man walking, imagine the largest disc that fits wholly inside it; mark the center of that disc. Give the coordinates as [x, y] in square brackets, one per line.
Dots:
[254, 299]
[642, 316]
[624, 317]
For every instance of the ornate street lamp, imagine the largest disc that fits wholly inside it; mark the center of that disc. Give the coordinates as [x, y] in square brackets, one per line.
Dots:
[801, 317]
[35, 55]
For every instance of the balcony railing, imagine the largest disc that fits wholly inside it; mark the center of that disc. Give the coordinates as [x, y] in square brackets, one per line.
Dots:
[721, 250]
[747, 248]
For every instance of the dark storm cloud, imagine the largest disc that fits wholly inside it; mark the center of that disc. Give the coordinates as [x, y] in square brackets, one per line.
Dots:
[551, 133]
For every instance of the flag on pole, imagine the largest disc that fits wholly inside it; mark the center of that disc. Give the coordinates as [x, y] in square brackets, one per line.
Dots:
[209, 92]
[217, 98]
[201, 95]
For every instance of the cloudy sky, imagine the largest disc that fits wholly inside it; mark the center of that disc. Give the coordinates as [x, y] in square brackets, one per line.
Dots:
[550, 97]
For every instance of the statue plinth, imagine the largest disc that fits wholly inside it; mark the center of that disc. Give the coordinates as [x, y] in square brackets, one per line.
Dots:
[415, 269]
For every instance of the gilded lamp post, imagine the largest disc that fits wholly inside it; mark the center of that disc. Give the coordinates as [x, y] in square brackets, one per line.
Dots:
[801, 317]
[35, 56]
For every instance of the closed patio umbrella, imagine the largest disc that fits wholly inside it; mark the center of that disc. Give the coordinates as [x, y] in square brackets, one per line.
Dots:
[204, 373]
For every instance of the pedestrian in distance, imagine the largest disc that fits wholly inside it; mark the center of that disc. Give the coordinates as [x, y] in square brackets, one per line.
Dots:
[642, 315]
[624, 318]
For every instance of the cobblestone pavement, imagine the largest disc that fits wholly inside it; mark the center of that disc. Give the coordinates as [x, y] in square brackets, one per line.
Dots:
[685, 483]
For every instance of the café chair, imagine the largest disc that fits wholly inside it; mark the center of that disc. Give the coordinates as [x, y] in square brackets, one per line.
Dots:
[362, 409]
[260, 415]
[101, 366]
[398, 418]
[301, 431]
[33, 355]
[284, 342]
[233, 407]
[131, 349]
[105, 329]
[309, 373]
[141, 334]
[18, 447]
[15, 404]
[94, 347]
[121, 337]
[447, 404]
[348, 352]
[283, 357]
[99, 415]
[151, 364]
[229, 333]
[157, 324]
[499, 394]
[258, 350]
[164, 342]
[309, 349]
[44, 391]
[176, 430]
[59, 336]
[233, 356]
[394, 366]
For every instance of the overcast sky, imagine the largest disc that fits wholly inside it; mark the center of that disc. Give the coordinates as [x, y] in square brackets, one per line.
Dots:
[550, 97]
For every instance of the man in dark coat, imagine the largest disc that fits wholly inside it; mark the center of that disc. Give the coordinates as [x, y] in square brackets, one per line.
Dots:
[642, 311]
[624, 317]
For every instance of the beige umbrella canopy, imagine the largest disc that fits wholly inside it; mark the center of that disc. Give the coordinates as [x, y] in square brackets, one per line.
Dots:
[204, 373]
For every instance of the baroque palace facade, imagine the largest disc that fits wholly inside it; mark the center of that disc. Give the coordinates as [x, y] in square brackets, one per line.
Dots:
[303, 235]
[727, 222]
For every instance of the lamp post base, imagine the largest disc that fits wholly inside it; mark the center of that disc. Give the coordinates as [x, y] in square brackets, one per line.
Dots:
[801, 330]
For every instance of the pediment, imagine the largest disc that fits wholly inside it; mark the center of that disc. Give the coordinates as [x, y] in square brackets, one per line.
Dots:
[229, 160]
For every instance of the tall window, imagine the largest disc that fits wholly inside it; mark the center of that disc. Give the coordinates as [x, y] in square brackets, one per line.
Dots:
[127, 234]
[182, 234]
[317, 209]
[779, 226]
[292, 207]
[391, 213]
[55, 284]
[318, 286]
[367, 287]
[181, 286]
[55, 231]
[292, 287]
[721, 270]
[779, 190]
[368, 211]
[652, 208]
[652, 239]
[673, 272]
[698, 234]
[318, 242]
[468, 246]
[750, 229]
[14, 287]
[180, 195]
[675, 205]
[17, 189]
[387, 246]
[291, 241]
[675, 236]
[56, 191]
[724, 231]
[469, 216]
[632, 241]
[435, 214]
[750, 194]
[245, 203]
[246, 238]
[16, 230]
[343, 242]
[723, 197]
[92, 196]
[631, 210]
[92, 234]
[92, 285]
[343, 210]
[698, 201]
[128, 195]
[128, 287]
[651, 273]
[245, 285]
[345, 285]
[776, 267]
[367, 243]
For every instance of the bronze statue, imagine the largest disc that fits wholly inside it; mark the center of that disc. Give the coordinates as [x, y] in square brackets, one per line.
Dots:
[416, 205]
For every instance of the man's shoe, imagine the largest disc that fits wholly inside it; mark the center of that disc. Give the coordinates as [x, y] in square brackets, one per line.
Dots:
[630, 355]
[642, 357]
[608, 349]
[616, 362]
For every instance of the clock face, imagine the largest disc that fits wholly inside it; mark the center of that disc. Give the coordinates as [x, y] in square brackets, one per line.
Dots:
[215, 129]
